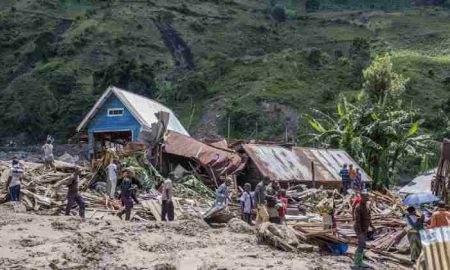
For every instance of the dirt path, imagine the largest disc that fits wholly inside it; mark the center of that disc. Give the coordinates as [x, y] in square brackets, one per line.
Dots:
[50, 242]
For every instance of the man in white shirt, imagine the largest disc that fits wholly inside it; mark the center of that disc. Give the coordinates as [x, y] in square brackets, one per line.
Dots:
[48, 155]
[111, 173]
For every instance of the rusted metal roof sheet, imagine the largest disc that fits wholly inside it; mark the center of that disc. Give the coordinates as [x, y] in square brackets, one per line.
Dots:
[222, 161]
[276, 162]
[287, 164]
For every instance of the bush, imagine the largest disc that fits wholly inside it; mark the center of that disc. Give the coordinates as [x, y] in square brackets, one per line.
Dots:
[279, 14]
[312, 5]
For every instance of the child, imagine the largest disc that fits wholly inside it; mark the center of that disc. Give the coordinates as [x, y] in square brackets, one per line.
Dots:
[247, 204]
[283, 205]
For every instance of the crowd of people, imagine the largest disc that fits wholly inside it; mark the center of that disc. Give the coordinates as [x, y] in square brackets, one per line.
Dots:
[267, 202]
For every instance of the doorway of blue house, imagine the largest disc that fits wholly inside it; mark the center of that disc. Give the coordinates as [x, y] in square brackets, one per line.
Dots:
[110, 139]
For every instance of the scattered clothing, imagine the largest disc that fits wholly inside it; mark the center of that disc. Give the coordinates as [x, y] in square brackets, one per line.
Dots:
[440, 218]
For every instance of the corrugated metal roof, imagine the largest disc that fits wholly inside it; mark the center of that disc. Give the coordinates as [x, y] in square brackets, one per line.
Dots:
[421, 183]
[276, 162]
[142, 108]
[222, 161]
[286, 164]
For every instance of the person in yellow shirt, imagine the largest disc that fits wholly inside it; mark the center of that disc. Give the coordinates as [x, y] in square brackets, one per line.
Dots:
[440, 218]
[351, 173]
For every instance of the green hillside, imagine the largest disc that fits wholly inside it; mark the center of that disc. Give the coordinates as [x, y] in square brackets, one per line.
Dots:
[257, 64]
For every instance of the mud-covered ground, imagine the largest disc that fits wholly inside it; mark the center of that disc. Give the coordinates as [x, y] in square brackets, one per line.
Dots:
[29, 241]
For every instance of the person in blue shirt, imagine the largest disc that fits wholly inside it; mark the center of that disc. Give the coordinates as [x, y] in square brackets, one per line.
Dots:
[345, 176]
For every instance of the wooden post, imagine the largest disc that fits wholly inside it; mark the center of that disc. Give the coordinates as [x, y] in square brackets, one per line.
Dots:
[313, 175]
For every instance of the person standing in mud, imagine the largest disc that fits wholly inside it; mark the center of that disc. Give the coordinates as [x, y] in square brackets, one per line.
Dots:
[271, 199]
[47, 148]
[13, 183]
[362, 223]
[73, 195]
[247, 204]
[127, 195]
[167, 208]
[261, 203]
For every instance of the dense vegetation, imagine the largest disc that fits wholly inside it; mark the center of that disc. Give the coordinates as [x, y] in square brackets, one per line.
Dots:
[256, 64]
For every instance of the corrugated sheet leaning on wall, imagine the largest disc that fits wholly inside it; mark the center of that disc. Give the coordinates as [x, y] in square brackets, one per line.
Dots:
[436, 249]
[288, 164]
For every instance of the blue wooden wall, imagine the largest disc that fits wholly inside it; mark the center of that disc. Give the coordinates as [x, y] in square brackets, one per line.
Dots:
[102, 122]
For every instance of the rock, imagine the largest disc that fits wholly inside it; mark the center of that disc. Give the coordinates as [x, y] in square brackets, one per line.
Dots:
[66, 157]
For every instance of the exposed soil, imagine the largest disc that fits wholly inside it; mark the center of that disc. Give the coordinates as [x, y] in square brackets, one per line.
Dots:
[58, 242]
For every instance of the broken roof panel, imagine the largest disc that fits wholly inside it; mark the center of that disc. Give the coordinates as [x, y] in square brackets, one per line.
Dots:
[287, 164]
[222, 161]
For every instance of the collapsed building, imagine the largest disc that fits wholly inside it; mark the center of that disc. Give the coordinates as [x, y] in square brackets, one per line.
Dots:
[127, 121]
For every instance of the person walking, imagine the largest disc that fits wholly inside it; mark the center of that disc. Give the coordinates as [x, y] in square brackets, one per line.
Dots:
[127, 196]
[260, 200]
[73, 195]
[49, 160]
[441, 217]
[345, 176]
[167, 208]
[414, 224]
[111, 173]
[13, 184]
[247, 204]
[362, 223]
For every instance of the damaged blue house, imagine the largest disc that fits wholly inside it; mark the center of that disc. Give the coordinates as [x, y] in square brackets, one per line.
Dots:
[119, 117]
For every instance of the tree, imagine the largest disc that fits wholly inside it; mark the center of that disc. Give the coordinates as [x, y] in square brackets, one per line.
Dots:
[377, 133]
[312, 5]
[381, 81]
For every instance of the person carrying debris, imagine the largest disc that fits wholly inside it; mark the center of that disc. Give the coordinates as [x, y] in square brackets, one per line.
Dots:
[414, 223]
[13, 184]
[167, 209]
[247, 204]
[362, 223]
[126, 193]
[345, 176]
[441, 217]
[111, 172]
[47, 148]
[260, 199]
[73, 195]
